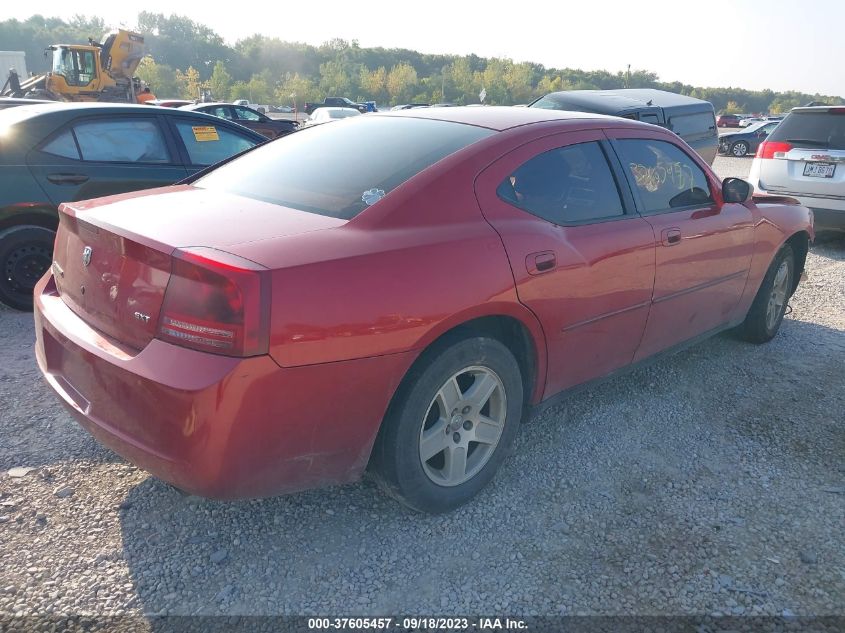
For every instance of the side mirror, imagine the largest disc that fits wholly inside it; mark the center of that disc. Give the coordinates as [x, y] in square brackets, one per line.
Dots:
[736, 190]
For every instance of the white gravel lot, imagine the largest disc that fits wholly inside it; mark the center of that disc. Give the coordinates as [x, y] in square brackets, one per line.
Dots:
[712, 482]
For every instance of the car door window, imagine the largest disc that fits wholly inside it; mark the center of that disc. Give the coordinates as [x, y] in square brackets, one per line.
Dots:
[222, 111]
[209, 144]
[62, 145]
[664, 176]
[247, 115]
[566, 185]
[124, 141]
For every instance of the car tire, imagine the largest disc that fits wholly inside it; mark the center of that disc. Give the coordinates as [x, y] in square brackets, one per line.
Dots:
[740, 149]
[460, 405]
[26, 253]
[766, 313]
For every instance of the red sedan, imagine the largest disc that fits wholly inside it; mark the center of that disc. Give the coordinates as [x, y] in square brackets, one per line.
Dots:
[292, 317]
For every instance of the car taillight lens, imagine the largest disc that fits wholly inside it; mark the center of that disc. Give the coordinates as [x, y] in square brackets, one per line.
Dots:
[216, 302]
[769, 149]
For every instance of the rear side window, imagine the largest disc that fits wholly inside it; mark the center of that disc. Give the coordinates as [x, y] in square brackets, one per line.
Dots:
[824, 130]
[222, 111]
[665, 177]
[62, 145]
[692, 124]
[125, 141]
[339, 169]
[209, 144]
[567, 185]
[247, 115]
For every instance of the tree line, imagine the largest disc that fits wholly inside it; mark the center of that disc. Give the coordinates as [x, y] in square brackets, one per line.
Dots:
[187, 60]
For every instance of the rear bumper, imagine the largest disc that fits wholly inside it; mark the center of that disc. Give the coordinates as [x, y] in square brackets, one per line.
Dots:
[212, 425]
[827, 219]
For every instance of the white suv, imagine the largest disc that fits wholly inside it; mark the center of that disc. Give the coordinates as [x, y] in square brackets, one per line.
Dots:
[804, 158]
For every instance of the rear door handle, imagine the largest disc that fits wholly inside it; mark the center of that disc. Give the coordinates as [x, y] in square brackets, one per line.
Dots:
[67, 179]
[670, 237]
[538, 263]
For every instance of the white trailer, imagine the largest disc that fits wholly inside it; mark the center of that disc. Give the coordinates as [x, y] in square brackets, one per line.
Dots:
[12, 59]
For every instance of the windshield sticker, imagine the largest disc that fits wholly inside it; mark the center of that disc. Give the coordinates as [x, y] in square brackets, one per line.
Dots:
[371, 196]
[205, 133]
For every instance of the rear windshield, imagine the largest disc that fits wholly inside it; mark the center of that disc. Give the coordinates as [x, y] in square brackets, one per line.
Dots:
[825, 130]
[338, 169]
[548, 103]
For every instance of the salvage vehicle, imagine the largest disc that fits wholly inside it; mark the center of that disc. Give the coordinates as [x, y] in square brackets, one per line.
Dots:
[745, 142]
[304, 317]
[58, 152]
[242, 115]
[804, 157]
[694, 120]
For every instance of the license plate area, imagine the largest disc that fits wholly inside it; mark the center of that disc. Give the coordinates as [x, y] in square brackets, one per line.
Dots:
[819, 170]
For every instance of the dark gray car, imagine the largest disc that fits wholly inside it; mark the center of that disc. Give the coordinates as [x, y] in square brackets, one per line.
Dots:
[57, 152]
[692, 119]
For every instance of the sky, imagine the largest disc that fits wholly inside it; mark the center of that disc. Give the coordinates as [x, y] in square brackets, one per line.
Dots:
[755, 44]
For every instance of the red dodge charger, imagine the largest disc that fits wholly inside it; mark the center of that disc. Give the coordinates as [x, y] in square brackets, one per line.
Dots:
[293, 317]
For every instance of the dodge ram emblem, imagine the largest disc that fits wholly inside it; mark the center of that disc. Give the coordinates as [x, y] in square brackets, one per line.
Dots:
[86, 255]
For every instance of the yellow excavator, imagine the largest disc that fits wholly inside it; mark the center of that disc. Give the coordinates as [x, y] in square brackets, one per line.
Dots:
[100, 71]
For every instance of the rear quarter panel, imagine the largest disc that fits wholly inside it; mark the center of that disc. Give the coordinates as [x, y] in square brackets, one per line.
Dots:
[418, 263]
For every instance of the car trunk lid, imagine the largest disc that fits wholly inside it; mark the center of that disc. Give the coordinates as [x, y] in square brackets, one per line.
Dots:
[113, 256]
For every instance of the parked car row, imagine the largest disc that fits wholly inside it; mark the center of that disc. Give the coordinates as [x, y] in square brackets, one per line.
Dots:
[739, 120]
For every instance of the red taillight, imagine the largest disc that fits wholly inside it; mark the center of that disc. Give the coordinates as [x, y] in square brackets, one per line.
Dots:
[216, 302]
[768, 149]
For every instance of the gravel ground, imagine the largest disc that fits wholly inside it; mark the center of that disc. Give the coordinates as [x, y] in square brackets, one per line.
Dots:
[710, 482]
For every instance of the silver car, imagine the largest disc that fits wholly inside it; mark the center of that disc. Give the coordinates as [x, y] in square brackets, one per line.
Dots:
[804, 157]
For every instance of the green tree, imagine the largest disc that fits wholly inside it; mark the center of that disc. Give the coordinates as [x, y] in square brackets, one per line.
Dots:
[159, 77]
[190, 84]
[731, 108]
[220, 83]
[401, 83]
[334, 80]
[374, 83]
[302, 88]
[462, 78]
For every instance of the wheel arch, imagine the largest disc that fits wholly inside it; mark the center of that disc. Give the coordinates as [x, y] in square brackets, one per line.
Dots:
[33, 216]
[513, 325]
[523, 336]
[800, 243]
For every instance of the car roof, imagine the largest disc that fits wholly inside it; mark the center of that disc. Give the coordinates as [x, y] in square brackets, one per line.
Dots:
[58, 109]
[496, 117]
[195, 106]
[824, 108]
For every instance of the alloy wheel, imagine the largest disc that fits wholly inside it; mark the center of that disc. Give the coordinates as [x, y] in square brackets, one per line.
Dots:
[777, 299]
[462, 426]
